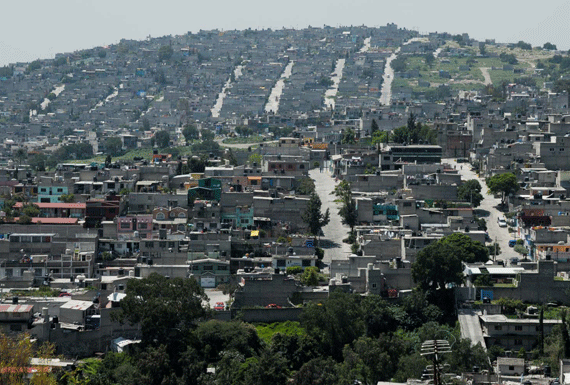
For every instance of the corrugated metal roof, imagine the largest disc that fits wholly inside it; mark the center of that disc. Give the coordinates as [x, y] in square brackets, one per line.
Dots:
[77, 305]
[16, 308]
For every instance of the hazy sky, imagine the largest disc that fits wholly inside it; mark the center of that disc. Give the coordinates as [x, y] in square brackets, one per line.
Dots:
[34, 29]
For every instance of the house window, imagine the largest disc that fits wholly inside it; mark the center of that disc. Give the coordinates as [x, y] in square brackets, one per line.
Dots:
[498, 327]
[222, 267]
[374, 286]
[125, 225]
[518, 342]
[160, 216]
[281, 263]
[143, 226]
[149, 244]
[208, 267]
[181, 215]
[306, 262]
[162, 245]
[518, 328]
[511, 368]
[302, 166]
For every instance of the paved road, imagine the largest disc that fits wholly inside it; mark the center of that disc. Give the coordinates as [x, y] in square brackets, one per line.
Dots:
[470, 326]
[489, 205]
[335, 231]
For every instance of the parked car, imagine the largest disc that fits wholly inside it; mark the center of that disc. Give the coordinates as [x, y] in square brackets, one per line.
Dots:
[273, 306]
[502, 222]
[512, 242]
[219, 306]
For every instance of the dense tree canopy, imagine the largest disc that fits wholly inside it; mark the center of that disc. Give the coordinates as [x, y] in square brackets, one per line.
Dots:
[162, 139]
[436, 267]
[313, 216]
[505, 184]
[174, 304]
[470, 191]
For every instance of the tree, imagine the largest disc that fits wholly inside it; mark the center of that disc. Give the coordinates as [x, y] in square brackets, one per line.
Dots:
[165, 52]
[31, 210]
[15, 355]
[313, 216]
[482, 49]
[505, 184]
[465, 249]
[522, 45]
[310, 276]
[21, 154]
[429, 59]
[470, 191]
[113, 146]
[67, 198]
[549, 46]
[166, 309]
[306, 186]
[348, 136]
[255, 158]
[347, 210]
[162, 139]
[373, 127]
[436, 267]
[334, 322]
[190, 133]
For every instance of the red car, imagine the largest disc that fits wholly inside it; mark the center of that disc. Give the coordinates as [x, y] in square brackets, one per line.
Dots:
[273, 306]
[219, 306]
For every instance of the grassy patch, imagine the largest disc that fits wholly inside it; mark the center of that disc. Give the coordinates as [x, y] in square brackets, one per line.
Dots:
[291, 328]
[43, 291]
[244, 140]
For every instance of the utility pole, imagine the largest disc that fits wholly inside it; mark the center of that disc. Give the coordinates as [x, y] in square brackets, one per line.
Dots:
[433, 349]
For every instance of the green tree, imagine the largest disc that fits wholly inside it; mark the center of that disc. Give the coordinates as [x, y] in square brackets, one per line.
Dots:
[436, 267]
[306, 186]
[334, 322]
[429, 59]
[310, 276]
[190, 133]
[166, 309]
[549, 46]
[31, 210]
[21, 154]
[373, 127]
[505, 184]
[255, 158]
[162, 139]
[348, 136]
[313, 216]
[38, 162]
[470, 191]
[318, 371]
[347, 211]
[113, 146]
[294, 270]
[67, 198]
[483, 280]
[465, 249]
[165, 52]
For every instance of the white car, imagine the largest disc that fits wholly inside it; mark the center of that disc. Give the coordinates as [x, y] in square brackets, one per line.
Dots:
[502, 222]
